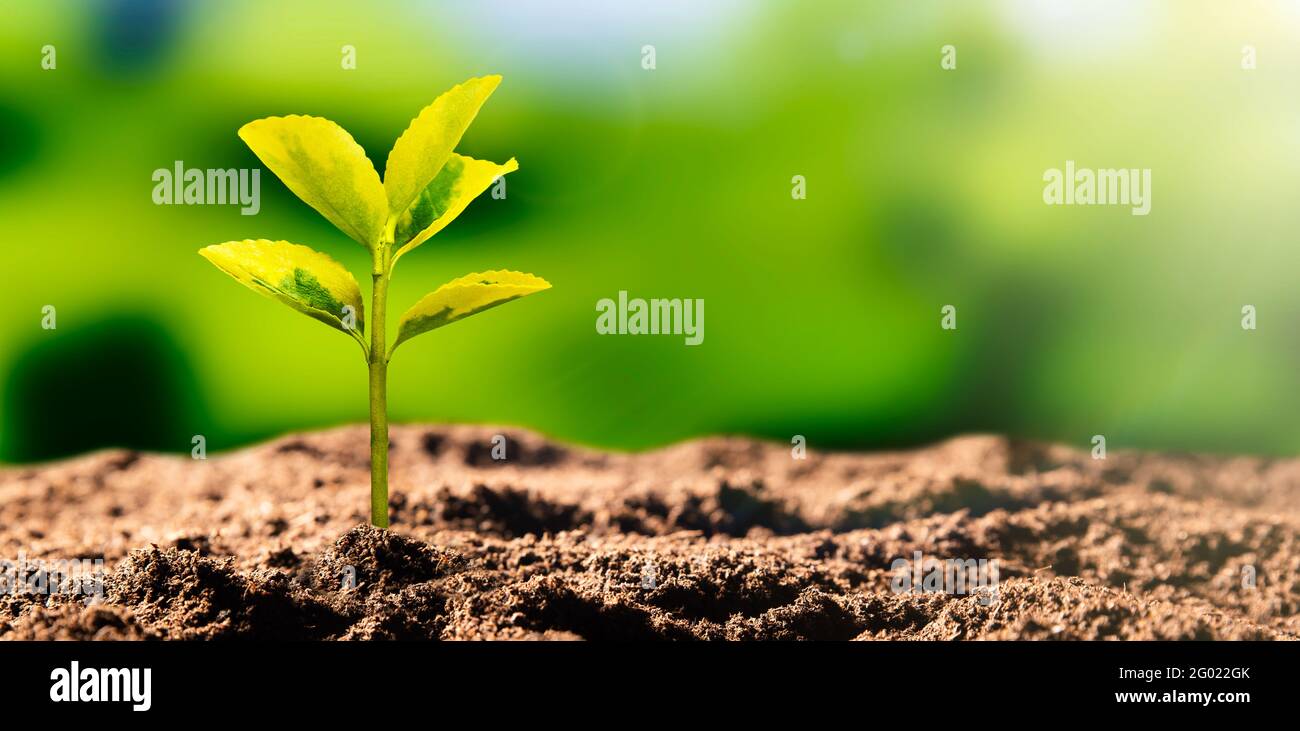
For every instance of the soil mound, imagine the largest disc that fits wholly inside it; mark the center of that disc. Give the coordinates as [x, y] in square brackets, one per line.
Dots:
[715, 539]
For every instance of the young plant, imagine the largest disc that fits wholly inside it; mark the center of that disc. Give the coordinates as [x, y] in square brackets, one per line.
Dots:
[426, 185]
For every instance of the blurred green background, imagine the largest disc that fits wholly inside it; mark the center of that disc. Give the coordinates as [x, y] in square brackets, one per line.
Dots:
[822, 315]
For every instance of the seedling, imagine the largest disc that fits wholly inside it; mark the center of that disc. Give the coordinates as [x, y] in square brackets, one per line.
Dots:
[425, 187]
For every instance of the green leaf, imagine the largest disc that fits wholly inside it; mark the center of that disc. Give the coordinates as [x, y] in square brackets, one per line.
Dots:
[321, 163]
[424, 147]
[460, 181]
[306, 280]
[460, 298]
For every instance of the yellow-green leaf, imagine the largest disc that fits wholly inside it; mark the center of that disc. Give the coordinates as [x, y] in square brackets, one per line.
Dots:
[460, 181]
[321, 163]
[460, 298]
[306, 280]
[424, 147]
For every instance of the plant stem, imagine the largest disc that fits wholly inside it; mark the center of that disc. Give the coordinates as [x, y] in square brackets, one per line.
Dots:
[378, 362]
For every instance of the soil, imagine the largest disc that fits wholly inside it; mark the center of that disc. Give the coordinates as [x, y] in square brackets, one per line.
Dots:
[721, 538]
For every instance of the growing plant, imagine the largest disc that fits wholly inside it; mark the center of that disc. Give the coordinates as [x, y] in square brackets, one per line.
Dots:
[426, 185]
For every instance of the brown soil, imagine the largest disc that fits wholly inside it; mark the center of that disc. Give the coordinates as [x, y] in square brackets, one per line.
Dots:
[745, 542]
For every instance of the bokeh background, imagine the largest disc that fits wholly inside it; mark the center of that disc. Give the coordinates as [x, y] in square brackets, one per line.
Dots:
[822, 315]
